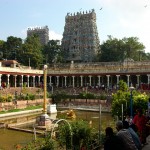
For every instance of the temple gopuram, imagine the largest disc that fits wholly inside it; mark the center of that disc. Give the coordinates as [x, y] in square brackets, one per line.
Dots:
[80, 41]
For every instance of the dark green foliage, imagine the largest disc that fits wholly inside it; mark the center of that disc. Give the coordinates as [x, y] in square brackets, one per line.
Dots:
[123, 96]
[40, 144]
[12, 48]
[32, 51]
[120, 49]
[81, 135]
[122, 86]
[52, 52]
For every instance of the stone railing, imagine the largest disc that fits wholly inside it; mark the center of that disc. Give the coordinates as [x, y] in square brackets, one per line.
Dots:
[100, 67]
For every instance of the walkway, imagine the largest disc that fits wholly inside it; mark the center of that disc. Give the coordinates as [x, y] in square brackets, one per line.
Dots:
[25, 112]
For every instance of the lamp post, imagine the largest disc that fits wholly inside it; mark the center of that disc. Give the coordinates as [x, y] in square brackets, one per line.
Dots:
[45, 88]
[44, 118]
[131, 101]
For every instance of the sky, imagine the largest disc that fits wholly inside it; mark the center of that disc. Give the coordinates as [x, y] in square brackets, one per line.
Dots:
[118, 18]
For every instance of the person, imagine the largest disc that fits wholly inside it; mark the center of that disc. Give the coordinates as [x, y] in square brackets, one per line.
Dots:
[112, 142]
[128, 119]
[134, 135]
[126, 137]
[140, 121]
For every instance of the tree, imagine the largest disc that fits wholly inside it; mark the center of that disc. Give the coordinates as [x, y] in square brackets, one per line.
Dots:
[122, 96]
[32, 52]
[112, 50]
[119, 49]
[133, 47]
[1, 49]
[52, 52]
[12, 48]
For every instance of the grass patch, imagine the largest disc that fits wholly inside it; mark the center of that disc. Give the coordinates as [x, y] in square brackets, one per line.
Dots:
[17, 110]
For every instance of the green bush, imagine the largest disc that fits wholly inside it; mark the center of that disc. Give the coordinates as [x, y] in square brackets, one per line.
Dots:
[9, 98]
[6, 98]
[82, 135]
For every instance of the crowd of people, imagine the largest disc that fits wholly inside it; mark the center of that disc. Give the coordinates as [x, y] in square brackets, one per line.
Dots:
[131, 133]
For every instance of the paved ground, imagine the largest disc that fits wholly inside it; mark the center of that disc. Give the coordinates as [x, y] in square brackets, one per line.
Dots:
[147, 146]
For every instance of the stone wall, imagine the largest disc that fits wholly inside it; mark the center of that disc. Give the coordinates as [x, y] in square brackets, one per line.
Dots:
[21, 104]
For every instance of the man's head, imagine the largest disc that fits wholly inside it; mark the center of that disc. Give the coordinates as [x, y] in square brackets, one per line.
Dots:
[125, 124]
[109, 131]
[119, 125]
[139, 111]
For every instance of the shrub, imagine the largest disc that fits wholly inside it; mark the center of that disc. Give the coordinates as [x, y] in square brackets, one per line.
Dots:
[82, 135]
[6, 98]
[9, 98]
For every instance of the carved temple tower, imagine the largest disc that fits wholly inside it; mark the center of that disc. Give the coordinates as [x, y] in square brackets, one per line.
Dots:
[41, 32]
[80, 41]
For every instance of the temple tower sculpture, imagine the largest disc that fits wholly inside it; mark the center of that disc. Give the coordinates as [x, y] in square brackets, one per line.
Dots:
[41, 32]
[80, 42]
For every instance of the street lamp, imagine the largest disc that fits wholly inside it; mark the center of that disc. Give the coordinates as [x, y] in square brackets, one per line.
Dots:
[45, 88]
[131, 101]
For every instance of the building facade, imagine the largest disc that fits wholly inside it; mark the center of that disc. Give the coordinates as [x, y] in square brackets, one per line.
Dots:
[41, 32]
[80, 41]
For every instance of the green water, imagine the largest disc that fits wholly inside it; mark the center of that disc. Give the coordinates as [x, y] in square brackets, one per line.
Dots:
[10, 138]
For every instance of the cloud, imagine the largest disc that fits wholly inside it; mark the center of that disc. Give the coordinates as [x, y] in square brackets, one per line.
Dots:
[54, 36]
[128, 18]
[23, 33]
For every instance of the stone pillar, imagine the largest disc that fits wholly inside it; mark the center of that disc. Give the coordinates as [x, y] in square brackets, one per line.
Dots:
[138, 80]
[108, 80]
[0, 80]
[50, 80]
[33, 81]
[128, 80]
[90, 80]
[148, 75]
[57, 81]
[39, 80]
[21, 80]
[15, 76]
[99, 80]
[8, 75]
[28, 80]
[118, 76]
[65, 80]
[73, 81]
[81, 80]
